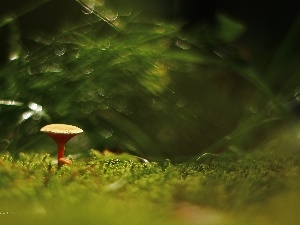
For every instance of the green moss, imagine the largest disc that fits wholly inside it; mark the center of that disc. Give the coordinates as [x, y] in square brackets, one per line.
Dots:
[121, 190]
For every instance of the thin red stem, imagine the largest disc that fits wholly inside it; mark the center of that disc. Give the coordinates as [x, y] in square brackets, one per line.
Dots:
[60, 150]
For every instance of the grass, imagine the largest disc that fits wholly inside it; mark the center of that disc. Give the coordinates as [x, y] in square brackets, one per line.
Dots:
[118, 189]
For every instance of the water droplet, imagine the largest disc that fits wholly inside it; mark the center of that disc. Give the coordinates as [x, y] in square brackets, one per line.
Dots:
[6, 19]
[44, 39]
[106, 133]
[253, 109]
[10, 102]
[88, 8]
[26, 115]
[104, 105]
[110, 15]
[159, 29]
[119, 23]
[120, 104]
[53, 68]
[77, 54]
[35, 107]
[33, 70]
[129, 144]
[87, 70]
[101, 91]
[228, 137]
[220, 52]
[182, 44]
[14, 55]
[90, 94]
[25, 55]
[105, 44]
[59, 51]
[297, 94]
[4, 144]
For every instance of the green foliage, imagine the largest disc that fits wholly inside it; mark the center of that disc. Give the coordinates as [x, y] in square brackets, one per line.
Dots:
[186, 101]
[137, 85]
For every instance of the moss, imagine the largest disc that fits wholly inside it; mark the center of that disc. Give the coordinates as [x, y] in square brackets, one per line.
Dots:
[121, 190]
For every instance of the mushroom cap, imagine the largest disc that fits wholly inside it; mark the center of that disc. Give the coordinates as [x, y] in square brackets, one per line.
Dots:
[61, 133]
[64, 129]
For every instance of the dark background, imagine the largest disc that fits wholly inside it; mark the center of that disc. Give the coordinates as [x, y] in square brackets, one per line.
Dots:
[267, 22]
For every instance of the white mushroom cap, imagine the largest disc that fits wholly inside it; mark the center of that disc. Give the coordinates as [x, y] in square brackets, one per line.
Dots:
[61, 129]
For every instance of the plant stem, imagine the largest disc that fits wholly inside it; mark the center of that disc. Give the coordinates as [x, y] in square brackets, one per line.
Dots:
[60, 151]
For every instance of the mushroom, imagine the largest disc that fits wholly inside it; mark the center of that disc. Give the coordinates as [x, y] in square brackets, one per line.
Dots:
[61, 134]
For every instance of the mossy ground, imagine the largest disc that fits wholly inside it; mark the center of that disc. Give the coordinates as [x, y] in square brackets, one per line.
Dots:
[119, 189]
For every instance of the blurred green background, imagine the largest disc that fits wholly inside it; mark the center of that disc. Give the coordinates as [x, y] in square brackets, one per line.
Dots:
[160, 79]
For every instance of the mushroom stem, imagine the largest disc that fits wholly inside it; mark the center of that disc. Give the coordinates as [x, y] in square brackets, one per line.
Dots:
[61, 142]
[60, 150]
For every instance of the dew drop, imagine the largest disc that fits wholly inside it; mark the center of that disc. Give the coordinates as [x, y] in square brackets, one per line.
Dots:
[106, 133]
[120, 104]
[10, 102]
[77, 55]
[87, 70]
[119, 23]
[43, 39]
[105, 45]
[26, 115]
[55, 68]
[219, 53]
[110, 15]
[182, 44]
[59, 51]
[297, 94]
[7, 19]
[14, 56]
[101, 91]
[52, 68]
[4, 144]
[228, 137]
[91, 94]
[104, 105]
[253, 109]
[33, 70]
[159, 29]
[88, 8]
[35, 107]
